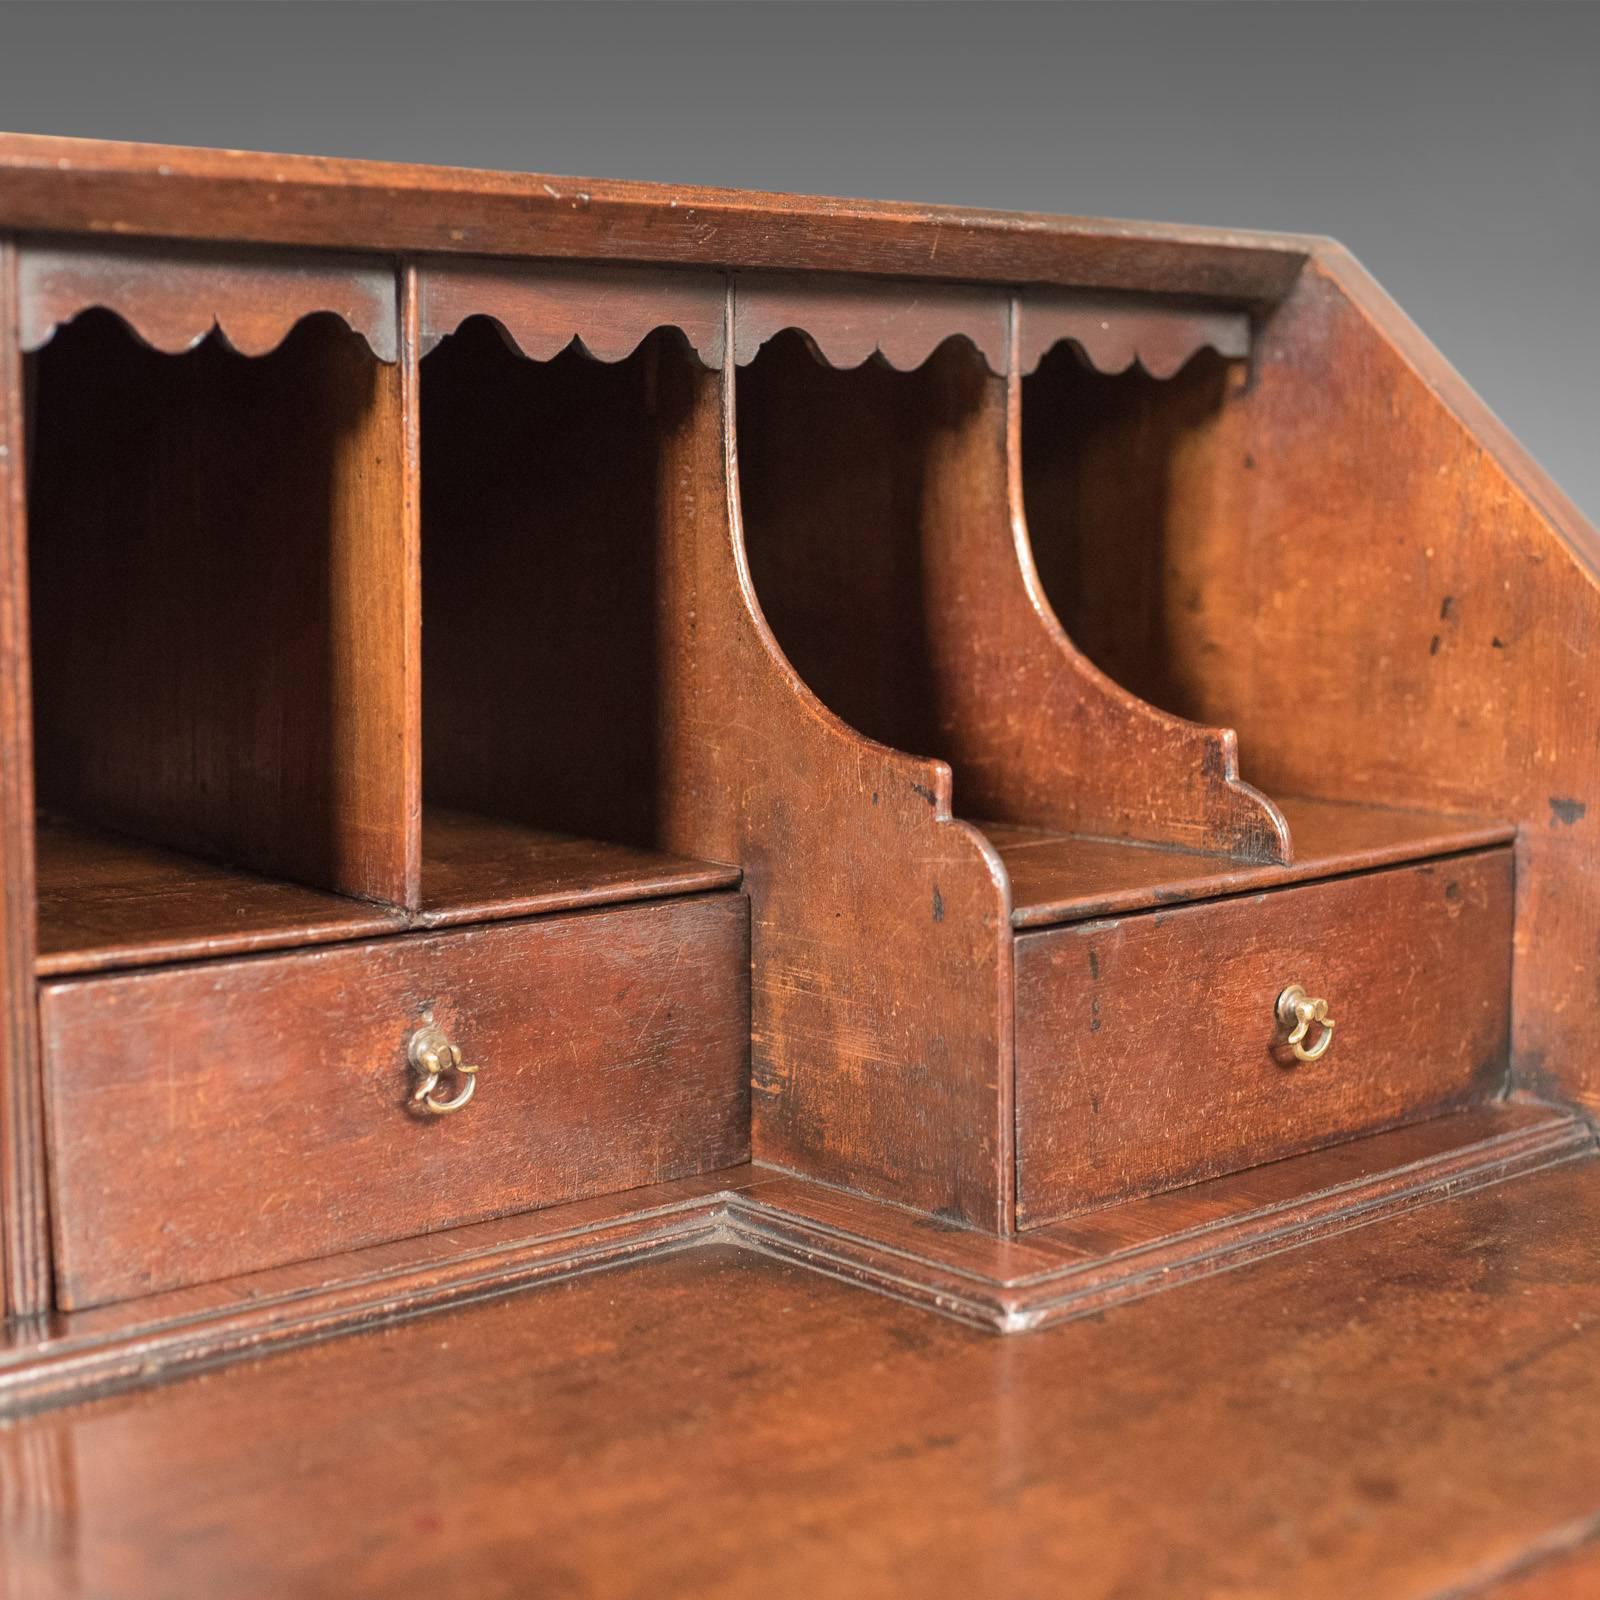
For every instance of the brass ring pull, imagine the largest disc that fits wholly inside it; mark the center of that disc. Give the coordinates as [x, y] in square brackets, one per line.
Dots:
[432, 1057]
[1297, 1011]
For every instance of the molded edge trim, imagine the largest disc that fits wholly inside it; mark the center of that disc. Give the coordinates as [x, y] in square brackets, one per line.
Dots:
[25, 1281]
[165, 191]
[874, 1245]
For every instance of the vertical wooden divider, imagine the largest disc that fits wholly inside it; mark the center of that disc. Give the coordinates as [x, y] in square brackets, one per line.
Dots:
[374, 697]
[409, 755]
[944, 612]
[1036, 733]
[24, 1221]
[881, 942]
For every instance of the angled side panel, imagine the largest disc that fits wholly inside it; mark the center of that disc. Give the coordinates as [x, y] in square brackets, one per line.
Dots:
[1399, 607]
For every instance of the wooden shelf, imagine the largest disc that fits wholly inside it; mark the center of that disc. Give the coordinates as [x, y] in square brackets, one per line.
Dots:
[1058, 877]
[477, 869]
[106, 901]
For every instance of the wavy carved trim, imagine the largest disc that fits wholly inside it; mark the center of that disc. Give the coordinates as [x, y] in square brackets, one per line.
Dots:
[607, 311]
[173, 296]
[1114, 333]
[848, 321]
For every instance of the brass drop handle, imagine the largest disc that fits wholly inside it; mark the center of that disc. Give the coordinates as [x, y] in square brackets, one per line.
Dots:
[1297, 1011]
[432, 1057]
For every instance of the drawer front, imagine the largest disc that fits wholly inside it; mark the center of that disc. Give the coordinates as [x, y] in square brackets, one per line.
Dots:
[225, 1117]
[1149, 1054]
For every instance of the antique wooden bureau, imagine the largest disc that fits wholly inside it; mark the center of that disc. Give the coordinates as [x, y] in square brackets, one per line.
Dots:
[545, 722]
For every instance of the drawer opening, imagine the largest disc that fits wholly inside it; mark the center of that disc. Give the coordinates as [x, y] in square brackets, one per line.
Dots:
[216, 617]
[546, 652]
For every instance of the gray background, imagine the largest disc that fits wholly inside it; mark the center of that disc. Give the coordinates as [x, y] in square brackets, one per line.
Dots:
[1454, 147]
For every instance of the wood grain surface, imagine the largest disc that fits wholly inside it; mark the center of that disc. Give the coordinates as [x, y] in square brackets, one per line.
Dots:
[107, 901]
[1080, 1267]
[229, 1116]
[166, 191]
[24, 1226]
[219, 592]
[1064, 877]
[1321, 1425]
[1149, 1054]
[476, 869]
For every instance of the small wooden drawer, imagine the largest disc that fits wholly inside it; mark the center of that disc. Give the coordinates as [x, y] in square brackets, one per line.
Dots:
[1149, 1054]
[215, 1119]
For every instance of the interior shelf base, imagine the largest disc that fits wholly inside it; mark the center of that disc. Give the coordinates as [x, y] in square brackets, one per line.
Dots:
[106, 901]
[475, 869]
[109, 902]
[1060, 877]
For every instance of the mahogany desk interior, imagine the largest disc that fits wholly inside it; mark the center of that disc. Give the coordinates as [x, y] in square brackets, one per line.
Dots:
[717, 893]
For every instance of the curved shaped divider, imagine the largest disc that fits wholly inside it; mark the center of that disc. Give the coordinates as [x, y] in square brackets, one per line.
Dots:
[895, 565]
[881, 945]
[1071, 748]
